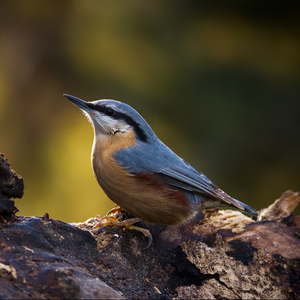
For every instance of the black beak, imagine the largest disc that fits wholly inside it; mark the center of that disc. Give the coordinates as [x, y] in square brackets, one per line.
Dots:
[79, 102]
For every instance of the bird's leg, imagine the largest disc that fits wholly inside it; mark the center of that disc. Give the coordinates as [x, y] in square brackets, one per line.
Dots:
[114, 211]
[111, 215]
[111, 220]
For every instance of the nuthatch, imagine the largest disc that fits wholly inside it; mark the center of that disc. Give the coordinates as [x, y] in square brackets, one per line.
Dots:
[141, 174]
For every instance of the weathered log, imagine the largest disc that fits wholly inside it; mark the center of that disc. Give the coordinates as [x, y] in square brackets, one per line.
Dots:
[219, 254]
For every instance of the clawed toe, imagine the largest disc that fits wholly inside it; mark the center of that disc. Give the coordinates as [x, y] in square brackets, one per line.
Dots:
[111, 220]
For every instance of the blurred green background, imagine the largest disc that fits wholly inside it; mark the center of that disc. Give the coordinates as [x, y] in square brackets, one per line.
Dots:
[218, 81]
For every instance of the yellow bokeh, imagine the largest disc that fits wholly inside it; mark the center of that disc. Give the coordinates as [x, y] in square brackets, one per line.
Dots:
[219, 84]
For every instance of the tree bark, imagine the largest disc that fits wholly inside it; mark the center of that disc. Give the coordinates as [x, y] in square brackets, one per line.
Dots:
[218, 254]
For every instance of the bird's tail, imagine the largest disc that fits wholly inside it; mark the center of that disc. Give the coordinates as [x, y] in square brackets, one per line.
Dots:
[248, 210]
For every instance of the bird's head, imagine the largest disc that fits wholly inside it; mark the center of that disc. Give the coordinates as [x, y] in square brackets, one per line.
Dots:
[112, 118]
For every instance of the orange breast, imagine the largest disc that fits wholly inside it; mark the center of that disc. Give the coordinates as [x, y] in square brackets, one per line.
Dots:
[144, 195]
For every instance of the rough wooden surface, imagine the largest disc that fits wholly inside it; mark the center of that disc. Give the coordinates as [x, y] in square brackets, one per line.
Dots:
[11, 186]
[221, 255]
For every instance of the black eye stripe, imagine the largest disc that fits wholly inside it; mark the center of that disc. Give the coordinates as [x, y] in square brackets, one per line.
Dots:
[138, 130]
[109, 111]
[140, 133]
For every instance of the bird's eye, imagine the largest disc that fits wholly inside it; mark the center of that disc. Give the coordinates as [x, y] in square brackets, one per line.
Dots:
[109, 111]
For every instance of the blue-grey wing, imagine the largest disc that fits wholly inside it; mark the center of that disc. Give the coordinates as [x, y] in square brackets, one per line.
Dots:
[203, 186]
[198, 183]
[162, 161]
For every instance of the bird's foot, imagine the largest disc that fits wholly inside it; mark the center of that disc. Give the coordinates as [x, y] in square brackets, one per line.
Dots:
[114, 211]
[111, 220]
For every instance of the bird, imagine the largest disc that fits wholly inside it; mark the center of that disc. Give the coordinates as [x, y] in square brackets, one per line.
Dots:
[142, 175]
